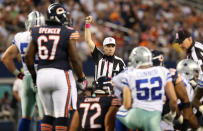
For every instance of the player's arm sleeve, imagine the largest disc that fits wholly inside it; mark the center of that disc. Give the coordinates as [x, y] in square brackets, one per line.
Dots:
[168, 76]
[200, 81]
[120, 80]
[75, 35]
[115, 101]
[122, 65]
[96, 55]
[197, 55]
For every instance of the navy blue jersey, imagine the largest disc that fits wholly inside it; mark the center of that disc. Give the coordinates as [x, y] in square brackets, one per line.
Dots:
[52, 43]
[92, 111]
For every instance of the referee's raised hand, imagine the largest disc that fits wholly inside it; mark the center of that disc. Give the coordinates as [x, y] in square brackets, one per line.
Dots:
[88, 20]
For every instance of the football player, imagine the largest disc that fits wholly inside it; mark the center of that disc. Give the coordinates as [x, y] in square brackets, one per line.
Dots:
[29, 95]
[143, 89]
[97, 113]
[55, 44]
[183, 91]
[189, 70]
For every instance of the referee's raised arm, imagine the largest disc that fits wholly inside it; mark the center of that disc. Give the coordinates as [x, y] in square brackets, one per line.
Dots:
[106, 62]
[88, 38]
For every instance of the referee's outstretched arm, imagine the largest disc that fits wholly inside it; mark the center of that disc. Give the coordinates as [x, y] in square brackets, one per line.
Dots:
[88, 38]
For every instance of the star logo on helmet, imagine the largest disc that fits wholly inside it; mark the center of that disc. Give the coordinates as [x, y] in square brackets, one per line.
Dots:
[185, 64]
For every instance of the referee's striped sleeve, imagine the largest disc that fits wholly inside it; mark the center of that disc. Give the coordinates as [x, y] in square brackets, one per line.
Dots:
[197, 54]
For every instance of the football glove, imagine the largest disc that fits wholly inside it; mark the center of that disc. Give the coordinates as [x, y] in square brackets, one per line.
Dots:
[20, 75]
[82, 83]
[169, 117]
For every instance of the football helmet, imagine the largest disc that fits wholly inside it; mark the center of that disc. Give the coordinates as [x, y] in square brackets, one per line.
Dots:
[103, 86]
[157, 58]
[140, 56]
[35, 18]
[57, 13]
[188, 68]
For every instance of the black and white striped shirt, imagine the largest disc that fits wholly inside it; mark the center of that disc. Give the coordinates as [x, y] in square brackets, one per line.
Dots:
[106, 65]
[196, 53]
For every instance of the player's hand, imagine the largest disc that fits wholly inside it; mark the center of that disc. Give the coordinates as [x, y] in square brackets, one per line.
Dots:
[88, 20]
[201, 109]
[169, 117]
[82, 83]
[20, 75]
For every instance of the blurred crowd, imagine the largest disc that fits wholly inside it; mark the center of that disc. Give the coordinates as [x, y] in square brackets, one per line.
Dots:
[6, 108]
[131, 22]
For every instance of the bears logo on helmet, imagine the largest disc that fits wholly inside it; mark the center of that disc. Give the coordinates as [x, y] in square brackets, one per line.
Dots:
[57, 13]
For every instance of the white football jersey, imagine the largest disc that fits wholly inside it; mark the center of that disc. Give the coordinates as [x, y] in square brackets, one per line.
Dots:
[200, 80]
[21, 40]
[147, 86]
[189, 89]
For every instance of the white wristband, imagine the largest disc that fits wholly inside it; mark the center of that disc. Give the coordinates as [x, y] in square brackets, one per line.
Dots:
[16, 72]
[201, 109]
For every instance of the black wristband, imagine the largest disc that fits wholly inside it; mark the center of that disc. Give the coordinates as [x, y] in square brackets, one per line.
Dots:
[186, 105]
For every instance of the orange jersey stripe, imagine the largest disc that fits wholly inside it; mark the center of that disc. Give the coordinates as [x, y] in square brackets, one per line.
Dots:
[45, 129]
[61, 127]
[75, 35]
[46, 125]
[68, 97]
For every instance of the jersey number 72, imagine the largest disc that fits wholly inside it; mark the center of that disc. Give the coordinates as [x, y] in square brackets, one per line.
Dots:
[87, 107]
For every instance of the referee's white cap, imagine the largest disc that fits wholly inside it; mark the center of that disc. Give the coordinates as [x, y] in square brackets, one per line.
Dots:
[109, 40]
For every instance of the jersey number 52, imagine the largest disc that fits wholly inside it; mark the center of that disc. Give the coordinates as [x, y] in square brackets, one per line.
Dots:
[144, 92]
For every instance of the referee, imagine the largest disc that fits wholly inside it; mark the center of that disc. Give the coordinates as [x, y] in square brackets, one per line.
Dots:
[106, 63]
[194, 51]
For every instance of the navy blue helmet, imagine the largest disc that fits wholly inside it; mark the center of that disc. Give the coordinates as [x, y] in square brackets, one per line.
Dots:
[157, 58]
[57, 13]
[103, 86]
